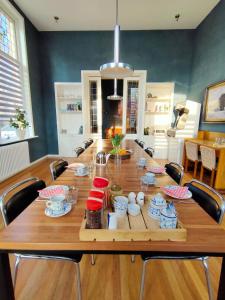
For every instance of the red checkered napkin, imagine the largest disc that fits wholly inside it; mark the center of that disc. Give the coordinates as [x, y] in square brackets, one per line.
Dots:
[177, 191]
[100, 182]
[156, 170]
[49, 192]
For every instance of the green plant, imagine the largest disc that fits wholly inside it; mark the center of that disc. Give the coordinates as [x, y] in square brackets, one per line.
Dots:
[117, 139]
[19, 121]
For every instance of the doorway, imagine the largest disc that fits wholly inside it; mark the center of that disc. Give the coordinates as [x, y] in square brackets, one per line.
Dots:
[112, 110]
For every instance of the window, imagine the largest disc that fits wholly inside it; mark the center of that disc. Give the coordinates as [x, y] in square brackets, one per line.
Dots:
[93, 107]
[14, 79]
[132, 107]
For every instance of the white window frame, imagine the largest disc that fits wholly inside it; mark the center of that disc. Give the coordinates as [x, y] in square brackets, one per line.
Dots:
[10, 10]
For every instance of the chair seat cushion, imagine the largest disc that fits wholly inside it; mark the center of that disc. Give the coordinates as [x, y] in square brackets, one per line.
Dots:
[76, 257]
[153, 255]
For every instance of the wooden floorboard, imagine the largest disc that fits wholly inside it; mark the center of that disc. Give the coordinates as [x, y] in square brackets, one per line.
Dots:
[113, 277]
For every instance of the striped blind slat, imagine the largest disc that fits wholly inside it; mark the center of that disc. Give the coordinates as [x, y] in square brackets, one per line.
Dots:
[11, 92]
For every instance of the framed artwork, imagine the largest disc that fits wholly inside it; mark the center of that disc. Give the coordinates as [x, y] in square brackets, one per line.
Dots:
[214, 105]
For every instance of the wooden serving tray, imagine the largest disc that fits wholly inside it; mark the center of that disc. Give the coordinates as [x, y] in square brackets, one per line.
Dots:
[139, 228]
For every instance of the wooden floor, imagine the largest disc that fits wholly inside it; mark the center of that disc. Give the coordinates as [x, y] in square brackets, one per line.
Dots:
[113, 277]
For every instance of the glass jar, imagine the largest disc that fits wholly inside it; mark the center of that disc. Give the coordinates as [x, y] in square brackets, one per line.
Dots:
[94, 218]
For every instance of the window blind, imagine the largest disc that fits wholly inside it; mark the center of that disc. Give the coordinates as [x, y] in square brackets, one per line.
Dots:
[11, 94]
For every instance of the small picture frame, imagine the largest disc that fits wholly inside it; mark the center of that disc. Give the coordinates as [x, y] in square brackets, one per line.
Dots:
[214, 103]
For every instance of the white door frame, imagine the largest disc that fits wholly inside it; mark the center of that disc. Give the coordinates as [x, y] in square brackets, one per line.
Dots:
[139, 75]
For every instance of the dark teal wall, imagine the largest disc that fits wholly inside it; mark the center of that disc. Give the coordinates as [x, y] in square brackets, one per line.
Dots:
[166, 55]
[38, 146]
[209, 58]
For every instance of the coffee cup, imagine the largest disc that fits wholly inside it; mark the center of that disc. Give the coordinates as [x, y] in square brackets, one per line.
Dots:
[80, 171]
[142, 162]
[56, 203]
[150, 177]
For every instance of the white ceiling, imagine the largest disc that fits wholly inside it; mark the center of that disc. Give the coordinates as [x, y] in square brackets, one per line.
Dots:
[100, 14]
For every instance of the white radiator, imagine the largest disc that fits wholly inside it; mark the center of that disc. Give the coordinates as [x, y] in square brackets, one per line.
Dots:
[13, 158]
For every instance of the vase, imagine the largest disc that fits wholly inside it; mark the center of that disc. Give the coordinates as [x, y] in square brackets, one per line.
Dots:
[21, 133]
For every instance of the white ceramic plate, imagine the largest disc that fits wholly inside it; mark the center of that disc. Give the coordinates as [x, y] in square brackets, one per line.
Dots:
[74, 166]
[53, 190]
[187, 196]
[49, 212]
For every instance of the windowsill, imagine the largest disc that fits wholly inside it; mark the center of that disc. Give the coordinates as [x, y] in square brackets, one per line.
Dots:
[4, 142]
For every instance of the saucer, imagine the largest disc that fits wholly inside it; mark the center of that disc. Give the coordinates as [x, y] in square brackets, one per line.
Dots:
[81, 175]
[144, 179]
[50, 213]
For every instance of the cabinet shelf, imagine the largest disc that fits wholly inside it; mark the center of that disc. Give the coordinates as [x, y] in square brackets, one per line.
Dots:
[158, 100]
[156, 113]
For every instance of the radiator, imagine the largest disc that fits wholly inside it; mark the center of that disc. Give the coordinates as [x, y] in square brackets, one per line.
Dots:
[13, 158]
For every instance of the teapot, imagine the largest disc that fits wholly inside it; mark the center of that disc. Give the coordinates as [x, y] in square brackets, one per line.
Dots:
[102, 158]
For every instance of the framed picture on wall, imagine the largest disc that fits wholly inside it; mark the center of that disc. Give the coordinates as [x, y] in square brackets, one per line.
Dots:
[214, 105]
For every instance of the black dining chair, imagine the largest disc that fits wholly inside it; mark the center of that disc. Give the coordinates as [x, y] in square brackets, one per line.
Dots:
[175, 171]
[78, 151]
[57, 168]
[13, 205]
[214, 204]
[141, 144]
[150, 151]
[137, 141]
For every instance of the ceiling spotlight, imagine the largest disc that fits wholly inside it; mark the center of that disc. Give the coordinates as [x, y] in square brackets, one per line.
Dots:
[177, 17]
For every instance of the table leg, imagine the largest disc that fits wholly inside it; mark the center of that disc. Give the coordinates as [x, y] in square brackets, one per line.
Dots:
[6, 286]
[221, 290]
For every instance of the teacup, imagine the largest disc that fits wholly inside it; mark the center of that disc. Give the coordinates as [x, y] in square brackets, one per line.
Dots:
[56, 203]
[142, 162]
[167, 221]
[80, 171]
[120, 205]
[150, 177]
[158, 200]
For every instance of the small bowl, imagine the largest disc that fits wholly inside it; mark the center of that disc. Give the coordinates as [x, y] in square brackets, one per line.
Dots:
[134, 209]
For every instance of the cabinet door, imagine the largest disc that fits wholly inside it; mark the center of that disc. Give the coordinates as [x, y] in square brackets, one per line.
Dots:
[132, 106]
[92, 106]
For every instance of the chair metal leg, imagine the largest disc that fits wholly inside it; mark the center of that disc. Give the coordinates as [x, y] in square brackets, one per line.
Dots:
[16, 266]
[206, 268]
[141, 296]
[92, 259]
[132, 258]
[79, 296]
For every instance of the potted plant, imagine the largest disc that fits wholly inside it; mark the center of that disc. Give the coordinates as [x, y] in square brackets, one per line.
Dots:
[116, 142]
[20, 123]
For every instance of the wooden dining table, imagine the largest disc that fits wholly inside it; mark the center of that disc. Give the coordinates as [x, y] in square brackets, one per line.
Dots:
[33, 232]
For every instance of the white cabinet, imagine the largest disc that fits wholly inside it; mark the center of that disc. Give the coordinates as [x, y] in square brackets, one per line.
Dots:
[68, 102]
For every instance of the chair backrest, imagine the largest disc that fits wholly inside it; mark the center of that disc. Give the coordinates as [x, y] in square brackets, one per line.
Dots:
[150, 151]
[191, 151]
[57, 168]
[175, 171]
[141, 144]
[208, 198]
[12, 207]
[208, 156]
[78, 151]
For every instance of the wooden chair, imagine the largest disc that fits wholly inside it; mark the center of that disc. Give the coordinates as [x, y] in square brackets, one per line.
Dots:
[214, 204]
[192, 155]
[12, 205]
[208, 156]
